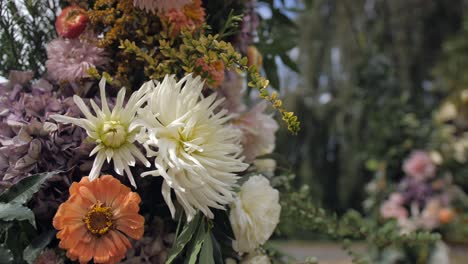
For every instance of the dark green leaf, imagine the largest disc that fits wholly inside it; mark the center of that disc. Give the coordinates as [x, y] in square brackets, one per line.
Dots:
[9, 212]
[283, 19]
[206, 254]
[31, 252]
[289, 62]
[217, 255]
[5, 254]
[196, 245]
[184, 237]
[21, 192]
[271, 71]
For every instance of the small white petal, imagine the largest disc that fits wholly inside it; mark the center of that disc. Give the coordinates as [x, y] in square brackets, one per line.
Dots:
[97, 165]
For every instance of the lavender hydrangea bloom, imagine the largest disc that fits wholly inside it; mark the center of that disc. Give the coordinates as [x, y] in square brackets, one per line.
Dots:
[29, 141]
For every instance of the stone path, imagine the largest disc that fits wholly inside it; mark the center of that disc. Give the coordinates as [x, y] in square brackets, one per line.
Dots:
[331, 253]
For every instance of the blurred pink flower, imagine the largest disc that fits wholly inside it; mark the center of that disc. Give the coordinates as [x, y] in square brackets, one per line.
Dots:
[232, 89]
[160, 5]
[393, 208]
[419, 165]
[258, 131]
[69, 59]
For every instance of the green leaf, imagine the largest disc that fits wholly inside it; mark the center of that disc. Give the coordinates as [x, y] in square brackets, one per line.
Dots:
[217, 255]
[21, 192]
[9, 212]
[289, 62]
[206, 254]
[184, 237]
[31, 252]
[283, 19]
[271, 71]
[196, 245]
[5, 254]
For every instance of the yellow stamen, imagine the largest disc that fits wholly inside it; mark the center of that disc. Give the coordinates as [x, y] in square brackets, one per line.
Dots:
[99, 219]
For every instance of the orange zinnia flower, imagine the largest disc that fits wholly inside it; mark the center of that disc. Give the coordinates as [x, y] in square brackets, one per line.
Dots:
[96, 220]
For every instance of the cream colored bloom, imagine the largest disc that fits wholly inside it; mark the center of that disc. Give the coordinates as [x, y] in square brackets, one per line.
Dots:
[194, 149]
[113, 131]
[254, 214]
[256, 259]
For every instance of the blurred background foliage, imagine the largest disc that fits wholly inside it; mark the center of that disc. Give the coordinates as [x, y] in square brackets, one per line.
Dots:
[373, 73]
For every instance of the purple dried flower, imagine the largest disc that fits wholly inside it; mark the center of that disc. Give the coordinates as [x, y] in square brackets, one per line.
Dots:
[153, 247]
[29, 141]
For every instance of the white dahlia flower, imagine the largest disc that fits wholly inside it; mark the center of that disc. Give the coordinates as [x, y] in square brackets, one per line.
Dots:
[195, 151]
[254, 214]
[113, 131]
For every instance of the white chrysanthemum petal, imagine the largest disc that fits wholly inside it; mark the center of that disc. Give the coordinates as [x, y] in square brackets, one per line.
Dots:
[102, 90]
[119, 103]
[100, 114]
[113, 131]
[197, 153]
[97, 165]
[166, 192]
[67, 120]
[84, 109]
[96, 149]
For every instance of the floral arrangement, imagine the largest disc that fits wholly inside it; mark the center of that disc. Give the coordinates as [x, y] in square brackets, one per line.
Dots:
[420, 201]
[146, 138]
[424, 199]
[136, 144]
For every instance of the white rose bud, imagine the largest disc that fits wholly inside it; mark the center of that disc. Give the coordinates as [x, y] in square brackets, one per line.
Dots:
[254, 214]
[256, 259]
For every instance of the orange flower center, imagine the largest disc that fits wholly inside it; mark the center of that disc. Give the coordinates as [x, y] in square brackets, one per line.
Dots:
[99, 219]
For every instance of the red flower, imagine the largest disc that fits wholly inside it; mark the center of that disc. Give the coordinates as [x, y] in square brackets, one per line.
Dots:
[71, 22]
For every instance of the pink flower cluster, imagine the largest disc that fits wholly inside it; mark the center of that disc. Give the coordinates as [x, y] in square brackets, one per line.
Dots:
[419, 165]
[419, 204]
[70, 59]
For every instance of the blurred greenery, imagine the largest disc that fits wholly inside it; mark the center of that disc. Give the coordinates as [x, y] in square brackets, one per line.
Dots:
[368, 90]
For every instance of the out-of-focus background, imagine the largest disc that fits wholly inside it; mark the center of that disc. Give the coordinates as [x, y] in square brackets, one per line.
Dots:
[377, 81]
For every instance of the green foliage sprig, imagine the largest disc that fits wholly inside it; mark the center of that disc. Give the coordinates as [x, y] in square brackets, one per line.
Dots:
[19, 241]
[300, 212]
[171, 59]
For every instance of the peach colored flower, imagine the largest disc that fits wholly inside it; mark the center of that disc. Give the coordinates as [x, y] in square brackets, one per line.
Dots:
[446, 215]
[190, 17]
[214, 71]
[254, 57]
[97, 218]
[419, 165]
